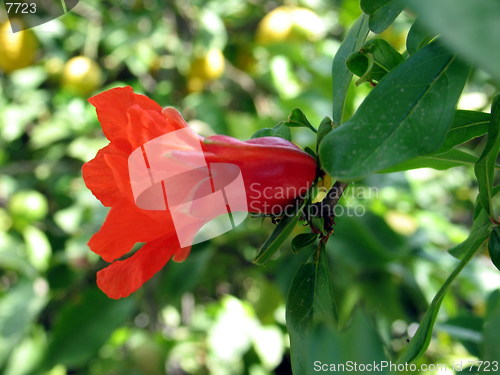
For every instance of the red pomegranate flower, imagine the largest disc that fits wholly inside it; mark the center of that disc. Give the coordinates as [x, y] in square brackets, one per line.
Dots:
[274, 173]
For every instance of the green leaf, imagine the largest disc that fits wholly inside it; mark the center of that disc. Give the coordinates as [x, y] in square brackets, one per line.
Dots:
[494, 247]
[20, 307]
[174, 283]
[418, 37]
[468, 27]
[311, 152]
[422, 337]
[374, 60]
[325, 127]
[297, 119]
[491, 349]
[371, 6]
[279, 130]
[303, 240]
[13, 258]
[408, 114]
[445, 160]
[279, 235]
[466, 328]
[84, 326]
[310, 301]
[383, 17]
[341, 76]
[480, 231]
[485, 166]
[466, 126]
[382, 13]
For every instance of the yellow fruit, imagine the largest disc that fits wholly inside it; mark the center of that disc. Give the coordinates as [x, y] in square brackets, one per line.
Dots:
[195, 84]
[401, 223]
[208, 67]
[290, 23]
[54, 67]
[306, 24]
[17, 50]
[275, 26]
[81, 75]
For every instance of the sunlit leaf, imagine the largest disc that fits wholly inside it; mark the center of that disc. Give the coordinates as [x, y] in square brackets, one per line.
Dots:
[408, 114]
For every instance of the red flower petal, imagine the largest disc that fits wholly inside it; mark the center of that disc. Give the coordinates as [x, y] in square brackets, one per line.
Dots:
[125, 225]
[124, 277]
[145, 125]
[128, 119]
[99, 177]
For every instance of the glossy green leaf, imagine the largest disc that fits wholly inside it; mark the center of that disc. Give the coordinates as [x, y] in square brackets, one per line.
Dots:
[303, 240]
[485, 166]
[279, 235]
[374, 60]
[279, 130]
[408, 114]
[341, 76]
[420, 341]
[446, 160]
[310, 300]
[297, 119]
[466, 125]
[418, 37]
[480, 231]
[468, 27]
[84, 326]
[494, 247]
[383, 17]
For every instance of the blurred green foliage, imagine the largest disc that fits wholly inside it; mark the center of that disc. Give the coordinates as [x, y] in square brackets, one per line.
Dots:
[217, 313]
